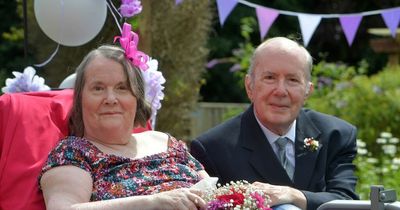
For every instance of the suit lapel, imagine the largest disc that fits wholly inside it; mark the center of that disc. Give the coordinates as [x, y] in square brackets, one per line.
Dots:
[305, 159]
[262, 158]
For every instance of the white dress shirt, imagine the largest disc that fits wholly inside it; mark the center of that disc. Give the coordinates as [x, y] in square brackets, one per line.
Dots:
[272, 137]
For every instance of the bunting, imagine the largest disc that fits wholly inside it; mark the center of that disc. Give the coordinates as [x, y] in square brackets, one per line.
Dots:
[391, 18]
[266, 17]
[309, 22]
[225, 7]
[350, 25]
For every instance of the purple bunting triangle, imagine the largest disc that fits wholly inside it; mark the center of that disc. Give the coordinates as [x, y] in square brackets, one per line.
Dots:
[178, 2]
[266, 18]
[392, 19]
[225, 7]
[350, 25]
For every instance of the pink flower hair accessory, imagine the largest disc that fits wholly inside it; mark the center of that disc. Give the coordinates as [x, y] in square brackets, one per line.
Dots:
[129, 41]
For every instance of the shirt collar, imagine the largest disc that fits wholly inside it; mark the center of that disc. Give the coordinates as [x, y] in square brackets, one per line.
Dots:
[272, 137]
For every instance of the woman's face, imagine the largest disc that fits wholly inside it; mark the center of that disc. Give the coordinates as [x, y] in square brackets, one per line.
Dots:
[108, 105]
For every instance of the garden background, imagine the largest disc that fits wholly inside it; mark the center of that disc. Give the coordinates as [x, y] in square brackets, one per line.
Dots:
[204, 61]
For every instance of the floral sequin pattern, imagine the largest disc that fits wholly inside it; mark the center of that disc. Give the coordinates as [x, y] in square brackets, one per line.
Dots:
[116, 176]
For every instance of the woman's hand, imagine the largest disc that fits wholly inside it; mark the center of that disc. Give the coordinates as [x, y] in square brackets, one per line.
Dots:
[180, 199]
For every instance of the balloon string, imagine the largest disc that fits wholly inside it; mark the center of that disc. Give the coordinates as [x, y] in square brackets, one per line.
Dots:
[115, 18]
[49, 59]
[58, 44]
[115, 9]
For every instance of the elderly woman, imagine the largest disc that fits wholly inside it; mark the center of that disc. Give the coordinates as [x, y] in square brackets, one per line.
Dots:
[102, 165]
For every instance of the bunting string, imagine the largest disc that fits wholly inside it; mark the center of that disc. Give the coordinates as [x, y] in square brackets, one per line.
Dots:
[308, 21]
[290, 13]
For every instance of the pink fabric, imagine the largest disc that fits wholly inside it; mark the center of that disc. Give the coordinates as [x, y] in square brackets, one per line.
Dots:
[30, 126]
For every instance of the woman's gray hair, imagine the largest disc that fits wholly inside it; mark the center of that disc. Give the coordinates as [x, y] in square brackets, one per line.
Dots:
[136, 83]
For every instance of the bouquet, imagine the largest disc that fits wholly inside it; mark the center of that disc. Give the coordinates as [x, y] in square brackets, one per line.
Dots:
[236, 195]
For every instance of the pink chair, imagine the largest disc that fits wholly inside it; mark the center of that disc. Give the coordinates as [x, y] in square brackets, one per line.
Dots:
[30, 126]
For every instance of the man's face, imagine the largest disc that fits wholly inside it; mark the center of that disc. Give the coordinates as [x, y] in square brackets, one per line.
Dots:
[278, 87]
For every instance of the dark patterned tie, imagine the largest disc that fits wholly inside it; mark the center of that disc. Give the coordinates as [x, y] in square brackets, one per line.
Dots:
[282, 142]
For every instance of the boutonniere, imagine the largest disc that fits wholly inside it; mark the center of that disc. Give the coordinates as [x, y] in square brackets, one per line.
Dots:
[311, 144]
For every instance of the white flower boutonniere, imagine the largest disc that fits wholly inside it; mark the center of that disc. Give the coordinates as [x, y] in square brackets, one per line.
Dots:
[311, 144]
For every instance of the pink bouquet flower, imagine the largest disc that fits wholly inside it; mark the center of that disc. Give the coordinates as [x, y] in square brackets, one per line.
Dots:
[236, 195]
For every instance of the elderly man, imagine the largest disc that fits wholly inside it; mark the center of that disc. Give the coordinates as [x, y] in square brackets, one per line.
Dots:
[298, 156]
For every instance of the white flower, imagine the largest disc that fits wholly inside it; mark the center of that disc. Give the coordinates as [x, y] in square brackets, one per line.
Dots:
[395, 167]
[389, 149]
[154, 81]
[25, 82]
[372, 160]
[362, 151]
[386, 135]
[396, 161]
[381, 141]
[361, 143]
[311, 144]
[394, 140]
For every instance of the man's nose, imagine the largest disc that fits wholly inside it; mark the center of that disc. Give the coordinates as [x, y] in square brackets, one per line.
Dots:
[281, 87]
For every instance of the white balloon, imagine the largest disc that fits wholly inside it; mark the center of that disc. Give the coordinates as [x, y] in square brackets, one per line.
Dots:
[68, 82]
[71, 22]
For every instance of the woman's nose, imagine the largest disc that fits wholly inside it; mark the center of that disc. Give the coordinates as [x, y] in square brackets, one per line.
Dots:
[111, 97]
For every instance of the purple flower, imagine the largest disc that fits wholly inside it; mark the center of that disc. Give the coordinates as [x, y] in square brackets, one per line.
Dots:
[154, 81]
[25, 82]
[235, 68]
[212, 63]
[130, 8]
[127, 1]
[215, 205]
[324, 82]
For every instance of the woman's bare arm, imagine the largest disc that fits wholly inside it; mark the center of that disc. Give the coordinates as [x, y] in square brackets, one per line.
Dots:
[69, 187]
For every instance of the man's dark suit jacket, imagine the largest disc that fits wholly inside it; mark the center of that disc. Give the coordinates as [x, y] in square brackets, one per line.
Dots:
[238, 150]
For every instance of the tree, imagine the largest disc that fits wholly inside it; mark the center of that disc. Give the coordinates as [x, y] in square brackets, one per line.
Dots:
[328, 42]
[176, 35]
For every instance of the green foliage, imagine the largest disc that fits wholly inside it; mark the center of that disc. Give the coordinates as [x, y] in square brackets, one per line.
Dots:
[370, 103]
[242, 55]
[326, 75]
[178, 41]
[15, 34]
[232, 112]
[237, 63]
[379, 168]
[11, 40]
[2, 80]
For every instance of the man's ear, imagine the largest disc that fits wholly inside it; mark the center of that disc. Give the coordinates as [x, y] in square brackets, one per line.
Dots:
[309, 89]
[248, 84]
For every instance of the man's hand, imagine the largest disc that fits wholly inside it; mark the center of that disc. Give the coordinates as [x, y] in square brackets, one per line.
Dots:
[283, 194]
